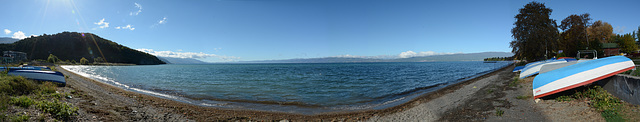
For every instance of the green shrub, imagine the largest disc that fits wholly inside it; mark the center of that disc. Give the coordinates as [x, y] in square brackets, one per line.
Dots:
[58, 109]
[22, 118]
[22, 101]
[564, 98]
[603, 101]
[84, 61]
[4, 100]
[47, 88]
[499, 112]
[16, 85]
[52, 58]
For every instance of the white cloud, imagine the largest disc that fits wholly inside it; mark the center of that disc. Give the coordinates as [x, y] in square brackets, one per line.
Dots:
[126, 27]
[139, 9]
[19, 35]
[409, 54]
[619, 29]
[164, 20]
[7, 31]
[102, 24]
[193, 55]
[369, 57]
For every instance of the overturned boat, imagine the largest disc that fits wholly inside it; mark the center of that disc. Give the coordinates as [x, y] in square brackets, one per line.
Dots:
[534, 68]
[37, 73]
[579, 74]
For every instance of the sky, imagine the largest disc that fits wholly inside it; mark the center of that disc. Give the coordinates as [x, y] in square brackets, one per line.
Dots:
[246, 30]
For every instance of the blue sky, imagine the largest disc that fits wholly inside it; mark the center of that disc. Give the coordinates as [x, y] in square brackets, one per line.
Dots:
[242, 30]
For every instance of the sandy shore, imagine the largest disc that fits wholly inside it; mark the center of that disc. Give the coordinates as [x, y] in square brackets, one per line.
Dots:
[473, 100]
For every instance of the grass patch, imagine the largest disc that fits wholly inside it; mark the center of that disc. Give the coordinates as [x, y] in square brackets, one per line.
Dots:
[58, 109]
[490, 91]
[15, 85]
[633, 72]
[499, 112]
[608, 105]
[47, 88]
[4, 100]
[564, 98]
[22, 118]
[514, 82]
[22, 101]
[42, 95]
[522, 97]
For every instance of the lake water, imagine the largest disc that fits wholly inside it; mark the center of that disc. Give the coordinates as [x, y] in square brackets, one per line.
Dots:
[296, 88]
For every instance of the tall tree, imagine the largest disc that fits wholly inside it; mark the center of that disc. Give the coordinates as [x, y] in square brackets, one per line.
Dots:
[601, 31]
[638, 34]
[627, 43]
[574, 35]
[534, 34]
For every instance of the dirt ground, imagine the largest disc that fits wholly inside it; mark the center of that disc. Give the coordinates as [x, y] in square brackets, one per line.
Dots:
[545, 110]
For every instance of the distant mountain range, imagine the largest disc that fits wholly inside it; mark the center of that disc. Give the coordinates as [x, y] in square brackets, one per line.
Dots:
[8, 40]
[451, 57]
[171, 60]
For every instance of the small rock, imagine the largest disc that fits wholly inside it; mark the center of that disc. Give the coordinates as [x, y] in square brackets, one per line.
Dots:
[69, 97]
[537, 100]
[284, 120]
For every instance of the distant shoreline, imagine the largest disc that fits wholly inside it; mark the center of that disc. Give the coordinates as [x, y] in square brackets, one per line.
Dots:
[205, 113]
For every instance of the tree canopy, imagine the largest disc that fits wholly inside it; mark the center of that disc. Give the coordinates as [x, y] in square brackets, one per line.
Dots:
[535, 34]
[626, 42]
[574, 35]
[638, 34]
[601, 31]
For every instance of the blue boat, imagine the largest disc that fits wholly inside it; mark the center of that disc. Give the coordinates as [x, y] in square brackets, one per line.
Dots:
[26, 68]
[518, 68]
[579, 74]
[37, 73]
[534, 68]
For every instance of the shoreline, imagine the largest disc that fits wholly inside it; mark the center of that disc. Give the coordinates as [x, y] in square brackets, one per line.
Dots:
[201, 113]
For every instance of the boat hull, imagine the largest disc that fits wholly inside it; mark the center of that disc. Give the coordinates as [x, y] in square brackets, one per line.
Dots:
[518, 69]
[579, 74]
[52, 76]
[533, 69]
[551, 67]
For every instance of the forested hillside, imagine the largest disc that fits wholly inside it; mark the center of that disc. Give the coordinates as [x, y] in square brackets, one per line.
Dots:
[74, 46]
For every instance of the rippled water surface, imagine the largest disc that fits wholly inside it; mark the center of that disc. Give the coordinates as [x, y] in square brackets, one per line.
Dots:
[335, 86]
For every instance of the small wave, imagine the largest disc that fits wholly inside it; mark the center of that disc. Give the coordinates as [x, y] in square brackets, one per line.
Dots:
[154, 93]
[76, 69]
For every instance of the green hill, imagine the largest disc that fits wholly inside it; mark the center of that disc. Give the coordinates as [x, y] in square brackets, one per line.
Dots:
[74, 46]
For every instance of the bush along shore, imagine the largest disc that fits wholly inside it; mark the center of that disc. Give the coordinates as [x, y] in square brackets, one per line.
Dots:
[27, 100]
[610, 107]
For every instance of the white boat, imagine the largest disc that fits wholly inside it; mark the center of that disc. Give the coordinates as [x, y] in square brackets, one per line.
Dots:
[534, 68]
[40, 75]
[579, 74]
[551, 67]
